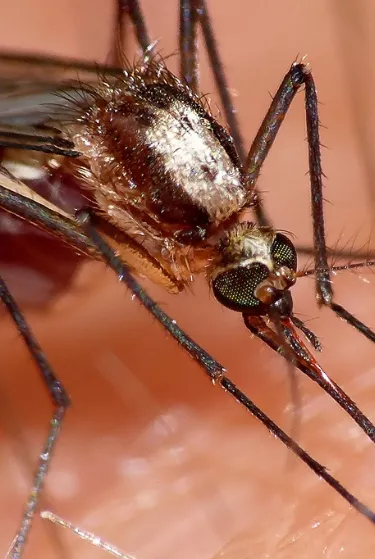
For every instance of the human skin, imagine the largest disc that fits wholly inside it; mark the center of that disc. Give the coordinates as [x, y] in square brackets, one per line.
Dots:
[152, 456]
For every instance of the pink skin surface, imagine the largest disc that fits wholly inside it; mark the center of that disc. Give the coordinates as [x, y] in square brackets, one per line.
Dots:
[152, 457]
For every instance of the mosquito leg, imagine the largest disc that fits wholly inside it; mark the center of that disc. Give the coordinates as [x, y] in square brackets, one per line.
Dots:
[61, 402]
[297, 76]
[352, 320]
[323, 276]
[189, 18]
[211, 367]
[214, 369]
[131, 10]
[295, 448]
[341, 311]
[292, 82]
[312, 369]
[200, 7]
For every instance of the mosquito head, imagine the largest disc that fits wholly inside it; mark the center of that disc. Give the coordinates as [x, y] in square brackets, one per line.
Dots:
[253, 271]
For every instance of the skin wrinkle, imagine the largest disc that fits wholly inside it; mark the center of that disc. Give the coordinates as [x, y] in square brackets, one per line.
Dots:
[205, 478]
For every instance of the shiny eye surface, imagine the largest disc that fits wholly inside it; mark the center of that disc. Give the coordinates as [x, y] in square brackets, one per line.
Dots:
[283, 252]
[235, 288]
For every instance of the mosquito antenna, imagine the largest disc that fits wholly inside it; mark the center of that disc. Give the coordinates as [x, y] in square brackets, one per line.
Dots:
[334, 252]
[340, 268]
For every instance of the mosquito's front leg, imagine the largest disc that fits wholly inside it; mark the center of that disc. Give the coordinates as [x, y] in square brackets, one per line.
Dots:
[298, 75]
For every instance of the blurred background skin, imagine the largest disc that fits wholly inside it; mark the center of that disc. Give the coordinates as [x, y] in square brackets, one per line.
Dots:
[152, 457]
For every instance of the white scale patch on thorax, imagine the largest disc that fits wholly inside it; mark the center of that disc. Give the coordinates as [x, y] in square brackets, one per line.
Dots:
[197, 160]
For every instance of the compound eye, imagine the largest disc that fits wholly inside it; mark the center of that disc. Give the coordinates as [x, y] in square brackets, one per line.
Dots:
[283, 252]
[235, 287]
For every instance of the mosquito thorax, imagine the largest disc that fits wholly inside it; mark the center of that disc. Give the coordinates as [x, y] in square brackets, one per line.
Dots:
[254, 270]
[153, 154]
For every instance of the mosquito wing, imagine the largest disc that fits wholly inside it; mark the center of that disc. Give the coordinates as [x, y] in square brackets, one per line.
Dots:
[32, 91]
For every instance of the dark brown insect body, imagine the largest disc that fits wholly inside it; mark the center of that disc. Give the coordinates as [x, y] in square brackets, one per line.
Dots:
[159, 168]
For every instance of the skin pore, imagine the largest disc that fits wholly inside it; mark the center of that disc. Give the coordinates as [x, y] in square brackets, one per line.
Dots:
[152, 457]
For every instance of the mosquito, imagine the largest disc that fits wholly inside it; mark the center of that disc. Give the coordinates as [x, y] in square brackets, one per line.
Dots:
[167, 201]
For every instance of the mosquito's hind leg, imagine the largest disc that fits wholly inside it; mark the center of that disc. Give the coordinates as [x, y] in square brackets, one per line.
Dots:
[60, 401]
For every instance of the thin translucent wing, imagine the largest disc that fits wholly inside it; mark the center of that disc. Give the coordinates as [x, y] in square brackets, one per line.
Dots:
[27, 97]
[16, 186]
[17, 70]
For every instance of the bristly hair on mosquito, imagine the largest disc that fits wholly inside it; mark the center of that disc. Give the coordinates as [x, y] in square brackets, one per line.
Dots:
[355, 258]
[132, 79]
